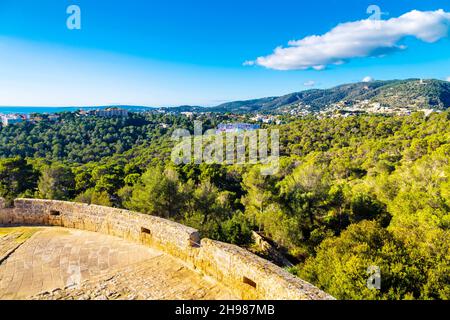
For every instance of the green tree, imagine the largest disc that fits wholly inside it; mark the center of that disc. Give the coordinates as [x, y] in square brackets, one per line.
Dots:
[90, 196]
[413, 261]
[56, 182]
[17, 178]
[158, 193]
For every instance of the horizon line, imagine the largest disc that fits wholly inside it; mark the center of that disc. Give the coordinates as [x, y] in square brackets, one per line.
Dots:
[215, 105]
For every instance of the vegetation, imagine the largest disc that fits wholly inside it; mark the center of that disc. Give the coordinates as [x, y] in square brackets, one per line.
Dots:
[82, 139]
[413, 94]
[351, 193]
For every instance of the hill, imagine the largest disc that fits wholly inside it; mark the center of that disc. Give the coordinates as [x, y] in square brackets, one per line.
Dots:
[412, 94]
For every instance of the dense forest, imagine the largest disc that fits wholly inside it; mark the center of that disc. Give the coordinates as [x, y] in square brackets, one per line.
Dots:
[82, 139]
[351, 193]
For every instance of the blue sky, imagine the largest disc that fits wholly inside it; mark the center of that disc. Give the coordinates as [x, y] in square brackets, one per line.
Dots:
[171, 52]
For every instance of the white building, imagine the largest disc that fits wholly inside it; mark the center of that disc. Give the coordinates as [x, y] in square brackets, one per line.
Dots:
[11, 119]
[188, 114]
[111, 112]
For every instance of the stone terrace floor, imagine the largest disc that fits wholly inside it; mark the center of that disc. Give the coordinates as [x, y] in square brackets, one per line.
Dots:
[58, 263]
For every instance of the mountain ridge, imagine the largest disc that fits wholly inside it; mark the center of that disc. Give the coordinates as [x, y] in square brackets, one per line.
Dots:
[412, 94]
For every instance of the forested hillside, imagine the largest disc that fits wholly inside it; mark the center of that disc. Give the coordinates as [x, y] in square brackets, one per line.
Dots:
[82, 139]
[414, 94]
[351, 192]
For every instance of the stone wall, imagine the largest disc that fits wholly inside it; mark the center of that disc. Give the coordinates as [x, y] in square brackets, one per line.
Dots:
[5, 211]
[250, 276]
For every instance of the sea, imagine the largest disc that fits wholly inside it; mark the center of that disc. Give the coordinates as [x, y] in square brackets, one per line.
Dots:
[29, 110]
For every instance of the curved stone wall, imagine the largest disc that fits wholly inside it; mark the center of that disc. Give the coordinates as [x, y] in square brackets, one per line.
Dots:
[250, 276]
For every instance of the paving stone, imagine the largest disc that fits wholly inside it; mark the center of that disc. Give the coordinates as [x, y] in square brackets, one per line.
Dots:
[57, 263]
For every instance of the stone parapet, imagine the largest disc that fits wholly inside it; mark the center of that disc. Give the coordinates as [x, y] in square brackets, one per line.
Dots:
[248, 275]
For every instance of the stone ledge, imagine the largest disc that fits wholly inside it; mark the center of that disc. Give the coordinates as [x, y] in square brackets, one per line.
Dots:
[250, 276]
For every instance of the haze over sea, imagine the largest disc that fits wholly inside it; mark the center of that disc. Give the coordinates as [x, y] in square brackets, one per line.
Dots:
[29, 110]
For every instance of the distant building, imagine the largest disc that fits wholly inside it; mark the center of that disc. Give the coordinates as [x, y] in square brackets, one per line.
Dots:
[236, 127]
[264, 118]
[36, 118]
[53, 117]
[11, 119]
[83, 113]
[111, 112]
[257, 118]
[188, 114]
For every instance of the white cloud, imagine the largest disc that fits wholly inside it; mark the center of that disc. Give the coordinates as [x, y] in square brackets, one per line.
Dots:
[448, 79]
[367, 79]
[310, 83]
[319, 67]
[357, 39]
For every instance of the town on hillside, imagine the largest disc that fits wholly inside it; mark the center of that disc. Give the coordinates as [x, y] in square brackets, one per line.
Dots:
[14, 118]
